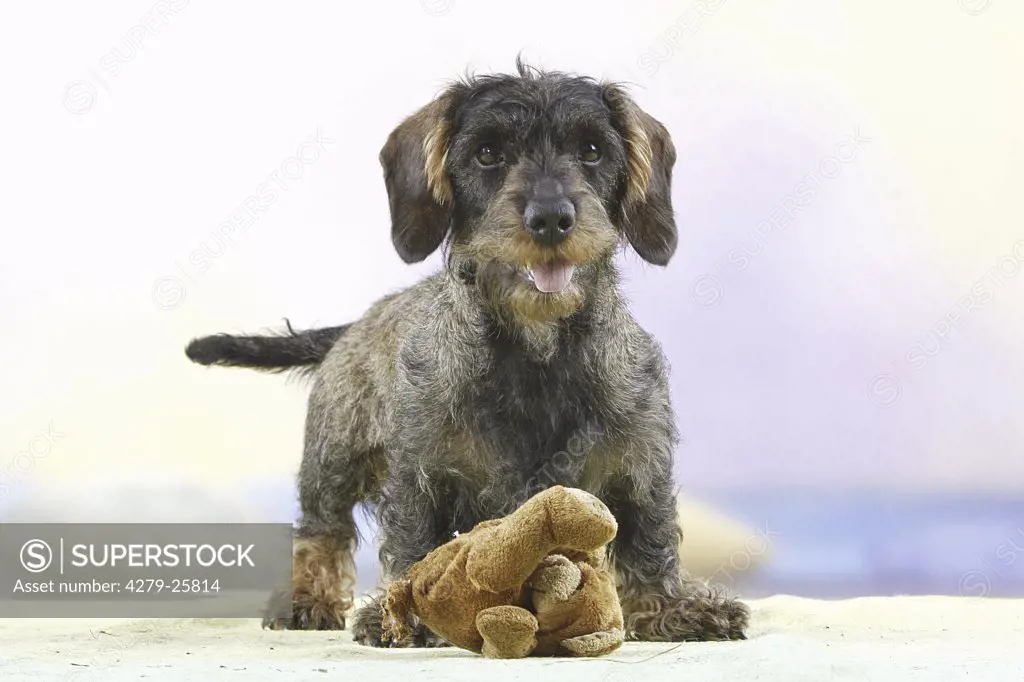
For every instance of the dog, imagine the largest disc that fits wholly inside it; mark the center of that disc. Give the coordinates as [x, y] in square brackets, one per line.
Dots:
[450, 402]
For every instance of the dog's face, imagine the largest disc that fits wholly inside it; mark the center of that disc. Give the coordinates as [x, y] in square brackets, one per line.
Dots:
[535, 179]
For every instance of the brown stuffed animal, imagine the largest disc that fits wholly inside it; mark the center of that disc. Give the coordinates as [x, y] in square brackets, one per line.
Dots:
[532, 583]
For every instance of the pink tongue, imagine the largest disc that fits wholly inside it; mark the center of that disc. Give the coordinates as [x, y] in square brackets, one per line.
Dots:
[552, 277]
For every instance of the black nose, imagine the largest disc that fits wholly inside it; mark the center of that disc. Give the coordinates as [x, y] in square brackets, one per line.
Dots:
[549, 220]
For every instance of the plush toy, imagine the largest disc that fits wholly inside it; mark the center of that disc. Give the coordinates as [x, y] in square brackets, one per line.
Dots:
[532, 583]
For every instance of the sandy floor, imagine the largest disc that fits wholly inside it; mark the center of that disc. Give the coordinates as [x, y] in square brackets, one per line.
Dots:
[791, 639]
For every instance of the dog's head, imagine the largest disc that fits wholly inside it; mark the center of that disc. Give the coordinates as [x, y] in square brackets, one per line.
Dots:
[534, 179]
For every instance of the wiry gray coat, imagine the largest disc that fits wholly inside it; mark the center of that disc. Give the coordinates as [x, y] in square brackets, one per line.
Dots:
[457, 399]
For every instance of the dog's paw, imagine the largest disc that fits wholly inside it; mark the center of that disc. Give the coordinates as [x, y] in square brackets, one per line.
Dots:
[428, 639]
[306, 613]
[704, 616]
[738, 615]
[368, 625]
[368, 630]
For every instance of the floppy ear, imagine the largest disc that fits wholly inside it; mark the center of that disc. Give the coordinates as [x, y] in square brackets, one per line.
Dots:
[419, 191]
[647, 218]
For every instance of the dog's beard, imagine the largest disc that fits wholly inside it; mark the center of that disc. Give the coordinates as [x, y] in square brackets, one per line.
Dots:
[520, 296]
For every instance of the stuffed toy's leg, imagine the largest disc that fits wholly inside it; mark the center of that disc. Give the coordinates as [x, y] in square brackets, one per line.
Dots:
[508, 631]
[575, 598]
[595, 644]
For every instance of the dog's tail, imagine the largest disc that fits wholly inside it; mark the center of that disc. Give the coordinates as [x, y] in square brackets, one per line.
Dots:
[289, 350]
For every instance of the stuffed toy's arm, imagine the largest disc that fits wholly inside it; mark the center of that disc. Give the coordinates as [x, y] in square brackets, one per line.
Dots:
[397, 607]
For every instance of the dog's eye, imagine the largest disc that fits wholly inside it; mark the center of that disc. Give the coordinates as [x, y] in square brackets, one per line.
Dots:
[489, 156]
[590, 152]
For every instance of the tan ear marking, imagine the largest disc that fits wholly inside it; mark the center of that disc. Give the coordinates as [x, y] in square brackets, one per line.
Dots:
[638, 144]
[638, 148]
[435, 150]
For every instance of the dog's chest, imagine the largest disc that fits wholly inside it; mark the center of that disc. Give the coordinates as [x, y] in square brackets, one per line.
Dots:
[535, 415]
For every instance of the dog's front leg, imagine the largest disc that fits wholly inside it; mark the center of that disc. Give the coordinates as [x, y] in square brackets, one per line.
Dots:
[333, 478]
[413, 521]
[658, 602]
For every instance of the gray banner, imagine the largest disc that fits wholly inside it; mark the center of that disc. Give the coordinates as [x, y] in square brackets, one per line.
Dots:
[145, 570]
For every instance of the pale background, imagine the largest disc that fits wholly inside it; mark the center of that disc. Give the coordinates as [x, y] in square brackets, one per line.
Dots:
[112, 181]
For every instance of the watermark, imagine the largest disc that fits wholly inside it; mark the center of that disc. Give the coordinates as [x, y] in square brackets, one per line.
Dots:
[740, 561]
[24, 462]
[142, 570]
[37, 555]
[566, 467]
[886, 389]
[672, 38]
[978, 581]
[80, 95]
[170, 291]
[707, 291]
[975, 7]
[437, 8]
